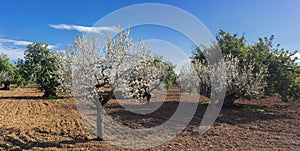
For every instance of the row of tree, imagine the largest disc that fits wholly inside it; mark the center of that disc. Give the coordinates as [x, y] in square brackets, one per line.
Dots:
[249, 70]
[119, 65]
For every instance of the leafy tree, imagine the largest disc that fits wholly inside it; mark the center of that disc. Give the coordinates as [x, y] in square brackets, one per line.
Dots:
[5, 64]
[23, 73]
[5, 79]
[40, 66]
[7, 71]
[170, 75]
[283, 71]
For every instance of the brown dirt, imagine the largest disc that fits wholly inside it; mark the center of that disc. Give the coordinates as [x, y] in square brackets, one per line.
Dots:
[31, 123]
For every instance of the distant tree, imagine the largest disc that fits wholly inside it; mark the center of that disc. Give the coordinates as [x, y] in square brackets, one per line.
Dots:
[23, 75]
[5, 79]
[40, 66]
[170, 75]
[5, 64]
[7, 71]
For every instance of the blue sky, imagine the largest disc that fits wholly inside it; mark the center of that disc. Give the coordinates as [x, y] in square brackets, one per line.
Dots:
[22, 22]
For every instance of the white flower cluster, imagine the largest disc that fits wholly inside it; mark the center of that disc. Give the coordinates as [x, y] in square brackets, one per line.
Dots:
[121, 66]
[231, 75]
[4, 76]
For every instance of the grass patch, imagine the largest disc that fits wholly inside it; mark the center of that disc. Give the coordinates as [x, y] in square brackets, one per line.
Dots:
[252, 109]
[53, 98]
[204, 103]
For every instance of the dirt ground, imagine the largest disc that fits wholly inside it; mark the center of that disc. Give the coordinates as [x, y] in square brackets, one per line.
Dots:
[28, 122]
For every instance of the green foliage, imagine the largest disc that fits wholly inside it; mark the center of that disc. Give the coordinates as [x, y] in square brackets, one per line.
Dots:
[283, 71]
[23, 73]
[252, 109]
[170, 75]
[7, 71]
[40, 66]
[5, 65]
[204, 103]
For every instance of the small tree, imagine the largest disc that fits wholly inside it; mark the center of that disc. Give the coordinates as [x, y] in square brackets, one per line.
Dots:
[40, 66]
[170, 75]
[5, 79]
[8, 71]
[5, 64]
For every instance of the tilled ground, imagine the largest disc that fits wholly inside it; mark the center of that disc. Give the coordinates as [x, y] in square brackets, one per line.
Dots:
[29, 122]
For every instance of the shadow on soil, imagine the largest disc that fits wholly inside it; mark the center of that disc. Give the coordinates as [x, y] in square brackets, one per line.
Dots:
[29, 98]
[234, 115]
[21, 97]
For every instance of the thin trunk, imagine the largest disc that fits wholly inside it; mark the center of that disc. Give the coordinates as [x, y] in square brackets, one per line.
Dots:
[49, 93]
[228, 100]
[99, 121]
[6, 86]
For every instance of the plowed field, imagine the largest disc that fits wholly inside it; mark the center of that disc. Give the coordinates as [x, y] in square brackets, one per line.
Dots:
[28, 122]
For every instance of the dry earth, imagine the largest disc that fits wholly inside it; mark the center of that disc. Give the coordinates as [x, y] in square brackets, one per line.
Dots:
[28, 122]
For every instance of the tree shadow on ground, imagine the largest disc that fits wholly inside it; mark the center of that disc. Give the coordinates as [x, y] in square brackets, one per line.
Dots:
[21, 97]
[30, 98]
[234, 115]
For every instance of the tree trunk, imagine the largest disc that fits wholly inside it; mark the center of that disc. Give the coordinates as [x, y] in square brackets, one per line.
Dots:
[228, 100]
[6, 85]
[49, 93]
[99, 121]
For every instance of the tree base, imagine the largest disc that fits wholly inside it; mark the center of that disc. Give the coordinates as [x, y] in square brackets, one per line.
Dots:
[6, 88]
[228, 101]
[98, 139]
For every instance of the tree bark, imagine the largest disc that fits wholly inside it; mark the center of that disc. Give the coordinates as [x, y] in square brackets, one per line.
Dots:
[49, 93]
[99, 121]
[229, 100]
[6, 85]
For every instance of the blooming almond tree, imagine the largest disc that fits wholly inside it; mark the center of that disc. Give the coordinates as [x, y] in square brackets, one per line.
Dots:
[230, 75]
[120, 69]
[5, 79]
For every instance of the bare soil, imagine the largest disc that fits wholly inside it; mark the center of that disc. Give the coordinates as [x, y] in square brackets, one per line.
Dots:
[28, 122]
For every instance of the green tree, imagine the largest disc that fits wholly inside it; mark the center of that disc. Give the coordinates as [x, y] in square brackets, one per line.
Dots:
[7, 71]
[283, 71]
[5, 64]
[40, 66]
[170, 74]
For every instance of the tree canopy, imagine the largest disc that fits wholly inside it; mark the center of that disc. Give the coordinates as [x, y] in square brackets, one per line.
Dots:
[282, 78]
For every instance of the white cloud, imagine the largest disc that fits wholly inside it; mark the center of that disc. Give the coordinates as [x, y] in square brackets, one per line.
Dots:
[13, 53]
[99, 30]
[15, 48]
[15, 42]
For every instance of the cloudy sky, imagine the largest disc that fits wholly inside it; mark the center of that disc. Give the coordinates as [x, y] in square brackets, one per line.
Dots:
[55, 22]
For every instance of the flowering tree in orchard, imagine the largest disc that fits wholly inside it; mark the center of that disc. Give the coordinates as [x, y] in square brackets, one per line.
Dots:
[5, 79]
[120, 69]
[119, 66]
[237, 78]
